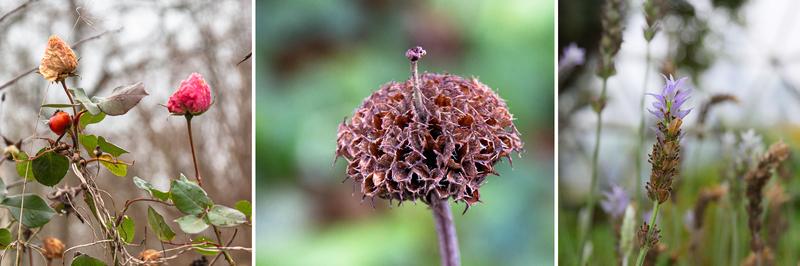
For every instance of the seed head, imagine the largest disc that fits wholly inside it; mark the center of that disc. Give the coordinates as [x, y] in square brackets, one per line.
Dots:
[59, 61]
[394, 154]
[53, 248]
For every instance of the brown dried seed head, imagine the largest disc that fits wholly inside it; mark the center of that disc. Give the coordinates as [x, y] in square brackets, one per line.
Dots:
[53, 248]
[394, 154]
[59, 61]
[150, 256]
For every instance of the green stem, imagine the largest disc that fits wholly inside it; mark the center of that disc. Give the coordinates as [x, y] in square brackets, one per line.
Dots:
[595, 156]
[640, 145]
[224, 252]
[643, 251]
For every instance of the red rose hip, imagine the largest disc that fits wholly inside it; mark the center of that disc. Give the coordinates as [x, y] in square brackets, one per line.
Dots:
[60, 122]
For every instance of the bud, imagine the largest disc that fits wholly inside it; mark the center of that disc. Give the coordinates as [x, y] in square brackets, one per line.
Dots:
[59, 61]
[193, 97]
[60, 122]
[53, 248]
[150, 257]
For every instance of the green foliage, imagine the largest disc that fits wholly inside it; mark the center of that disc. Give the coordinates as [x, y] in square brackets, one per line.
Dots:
[36, 214]
[188, 197]
[81, 97]
[24, 169]
[116, 168]
[122, 99]
[191, 224]
[159, 226]
[127, 229]
[88, 119]
[204, 247]
[245, 207]
[49, 167]
[86, 260]
[225, 217]
[5, 238]
[89, 142]
[155, 193]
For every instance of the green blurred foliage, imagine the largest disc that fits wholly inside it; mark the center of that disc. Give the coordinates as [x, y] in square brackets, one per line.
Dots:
[317, 60]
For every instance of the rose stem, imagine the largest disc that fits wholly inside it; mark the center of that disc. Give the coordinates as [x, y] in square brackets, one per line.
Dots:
[446, 232]
[194, 156]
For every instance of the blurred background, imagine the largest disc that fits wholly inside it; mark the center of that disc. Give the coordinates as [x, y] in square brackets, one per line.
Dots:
[747, 49]
[158, 43]
[316, 62]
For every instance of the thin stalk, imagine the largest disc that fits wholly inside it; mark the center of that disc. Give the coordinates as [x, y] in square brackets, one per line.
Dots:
[417, 94]
[446, 232]
[194, 156]
[595, 157]
[225, 253]
[640, 145]
[643, 251]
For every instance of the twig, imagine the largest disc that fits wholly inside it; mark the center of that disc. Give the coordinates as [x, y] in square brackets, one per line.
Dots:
[76, 45]
[20, 7]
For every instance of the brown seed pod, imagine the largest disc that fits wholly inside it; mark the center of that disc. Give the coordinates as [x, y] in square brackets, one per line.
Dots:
[59, 61]
[150, 257]
[53, 248]
[443, 150]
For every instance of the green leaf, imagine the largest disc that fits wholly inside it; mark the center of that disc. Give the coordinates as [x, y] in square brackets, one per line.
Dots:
[5, 238]
[154, 192]
[81, 97]
[89, 142]
[88, 119]
[206, 248]
[86, 260]
[2, 190]
[23, 166]
[118, 169]
[188, 197]
[225, 217]
[36, 213]
[157, 223]
[126, 229]
[49, 167]
[110, 148]
[191, 224]
[244, 207]
[122, 100]
[58, 105]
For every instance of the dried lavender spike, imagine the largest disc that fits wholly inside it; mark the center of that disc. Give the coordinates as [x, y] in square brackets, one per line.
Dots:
[756, 179]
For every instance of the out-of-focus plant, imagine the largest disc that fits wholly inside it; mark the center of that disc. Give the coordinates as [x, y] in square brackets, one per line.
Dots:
[75, 149]
[432, 138]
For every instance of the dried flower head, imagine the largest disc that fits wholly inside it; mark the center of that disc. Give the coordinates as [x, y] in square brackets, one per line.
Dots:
[193, 97]
[615, 201]
[53, 248]
[756, 179]
[611, 39]
[665, 156]
[150, 257]
[395, 153]
[59, 61]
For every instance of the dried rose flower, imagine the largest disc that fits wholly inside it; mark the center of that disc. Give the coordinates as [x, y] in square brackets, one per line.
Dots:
[59, 61]
[150, 257]
[193, 97]
[445, 150]
[53, 248]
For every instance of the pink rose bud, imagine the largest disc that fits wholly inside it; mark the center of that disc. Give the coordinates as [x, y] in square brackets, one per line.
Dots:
[193, 97]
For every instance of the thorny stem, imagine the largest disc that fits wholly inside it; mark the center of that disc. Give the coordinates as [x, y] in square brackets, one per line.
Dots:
[446, 232]
[194, 156]
[643, 251]
[591, 201]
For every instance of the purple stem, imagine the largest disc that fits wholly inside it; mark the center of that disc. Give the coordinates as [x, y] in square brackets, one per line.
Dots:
[446, 232]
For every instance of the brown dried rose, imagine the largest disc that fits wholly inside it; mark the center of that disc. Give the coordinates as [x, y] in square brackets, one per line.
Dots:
[150, 257]
[59, 61]
[53, 248]
[446, 153]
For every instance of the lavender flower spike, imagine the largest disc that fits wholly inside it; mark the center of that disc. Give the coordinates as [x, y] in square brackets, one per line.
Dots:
[615, 202]
[669, 102]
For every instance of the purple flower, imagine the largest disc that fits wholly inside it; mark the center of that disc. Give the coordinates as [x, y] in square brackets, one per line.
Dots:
[615, 202]
[670, 100]
[572, 56]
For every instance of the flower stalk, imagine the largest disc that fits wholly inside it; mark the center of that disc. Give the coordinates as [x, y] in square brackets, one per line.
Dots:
[446, 233]
[194, 155]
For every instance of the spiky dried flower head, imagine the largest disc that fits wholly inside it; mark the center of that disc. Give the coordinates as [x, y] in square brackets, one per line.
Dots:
[665, 156]
[756, 178]
[59, 61]
[53, 248]
[150, 257]
[193, 97]
[611, 39]
[394, 152]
